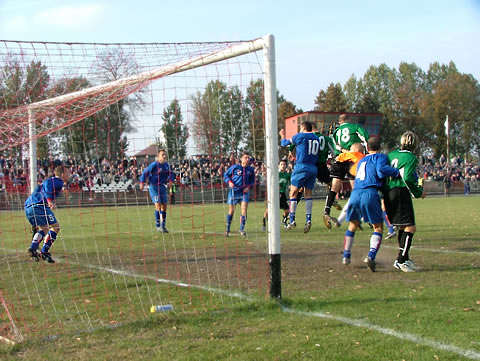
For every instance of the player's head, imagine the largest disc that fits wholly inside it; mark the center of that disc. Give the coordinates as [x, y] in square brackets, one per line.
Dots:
[306, 126]
[245, 159]
[343, 118]
[356, 147]
[373, 144]
[282, 165]
[62, 172]
[409, 141]
[162, 156]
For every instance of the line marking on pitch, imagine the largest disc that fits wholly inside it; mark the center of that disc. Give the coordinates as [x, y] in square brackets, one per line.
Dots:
[471, 354]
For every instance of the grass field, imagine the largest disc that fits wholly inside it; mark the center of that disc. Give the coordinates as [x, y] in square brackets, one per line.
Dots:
[112, 266]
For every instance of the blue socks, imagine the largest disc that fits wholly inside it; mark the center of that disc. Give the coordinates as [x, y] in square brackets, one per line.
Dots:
[51, 237]
[157, 218]
[37, 239]
[229, 222]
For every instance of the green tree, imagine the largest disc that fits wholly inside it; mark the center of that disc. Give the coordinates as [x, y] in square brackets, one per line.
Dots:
[220, 119]
[174, 130]
[331, 100]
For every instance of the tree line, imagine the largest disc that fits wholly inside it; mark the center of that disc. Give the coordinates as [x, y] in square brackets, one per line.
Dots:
[226, 121]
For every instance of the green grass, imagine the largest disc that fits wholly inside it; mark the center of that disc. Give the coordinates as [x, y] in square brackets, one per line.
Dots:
[81, 309]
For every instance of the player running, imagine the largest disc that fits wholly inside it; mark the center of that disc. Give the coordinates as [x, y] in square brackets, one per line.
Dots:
[365, 200]
[159, 175]
[38, 209]
[344, 137]
[398, 201]
[240, 178]
[304, 173]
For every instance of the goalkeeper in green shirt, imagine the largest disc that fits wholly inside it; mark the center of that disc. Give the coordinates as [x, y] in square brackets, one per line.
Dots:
[398, 198]
[284, 183]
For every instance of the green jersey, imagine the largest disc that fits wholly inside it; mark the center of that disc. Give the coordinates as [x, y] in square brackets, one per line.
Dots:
[326, 146]
[406, 162]
[283, 181]
[347, 134]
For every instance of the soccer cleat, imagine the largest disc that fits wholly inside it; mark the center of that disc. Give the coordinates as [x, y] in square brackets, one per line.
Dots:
[285, 225]
[307, 227]
[346, 261]
[159, 229]
[390, 234]
[334, 222]
[411, 265]
[404, 267]
[34, 255]
[337, 206]
[243, 233]
[163, 230]
[371, 264]
[264, 229]
[326, 221]
[226, 233]
[47, 257]
[291, 225]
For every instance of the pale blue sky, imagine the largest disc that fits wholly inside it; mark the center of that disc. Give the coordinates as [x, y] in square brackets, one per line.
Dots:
[317, 42]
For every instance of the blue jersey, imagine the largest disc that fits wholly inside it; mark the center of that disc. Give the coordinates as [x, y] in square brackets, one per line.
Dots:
[307, 146]
[240, 176]
[49, 189]
[157, 174]
[371, 170]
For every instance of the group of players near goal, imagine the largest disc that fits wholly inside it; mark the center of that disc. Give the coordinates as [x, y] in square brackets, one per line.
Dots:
[382, 189]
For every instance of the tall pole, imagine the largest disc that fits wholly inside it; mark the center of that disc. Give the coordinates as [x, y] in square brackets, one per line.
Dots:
[32, 152]
[447, 133]
[271, 145]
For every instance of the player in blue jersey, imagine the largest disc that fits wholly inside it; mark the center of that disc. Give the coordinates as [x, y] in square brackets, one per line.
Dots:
[240, 179]
[38, 209]
[159, 175]
[365, 200]
[304, 173]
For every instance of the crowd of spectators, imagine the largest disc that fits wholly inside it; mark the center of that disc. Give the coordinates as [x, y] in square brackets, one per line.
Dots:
[196, 171]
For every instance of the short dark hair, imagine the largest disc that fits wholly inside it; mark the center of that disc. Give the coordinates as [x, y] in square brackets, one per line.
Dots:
[307, 125]
[373, 143]
[344, 117]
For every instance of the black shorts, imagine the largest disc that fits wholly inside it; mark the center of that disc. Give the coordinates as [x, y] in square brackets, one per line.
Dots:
[283, 201]
[341, 169]
[323, 174]
[399, 207]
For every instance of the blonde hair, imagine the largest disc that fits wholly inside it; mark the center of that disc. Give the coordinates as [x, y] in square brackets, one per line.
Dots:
[409, 141]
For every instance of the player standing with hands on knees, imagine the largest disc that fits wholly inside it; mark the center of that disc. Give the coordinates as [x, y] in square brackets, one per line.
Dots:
[240, 179]
[365, 200]
[38, 209]
[159, 175]
[304, 173]
[398, 201]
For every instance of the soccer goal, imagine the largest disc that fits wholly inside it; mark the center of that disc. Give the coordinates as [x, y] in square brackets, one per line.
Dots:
[106, 112]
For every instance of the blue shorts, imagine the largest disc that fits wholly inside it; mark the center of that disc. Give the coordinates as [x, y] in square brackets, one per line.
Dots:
[158, 193]
[236, 196]
[40, 215]
[365, 203]
[304, 177]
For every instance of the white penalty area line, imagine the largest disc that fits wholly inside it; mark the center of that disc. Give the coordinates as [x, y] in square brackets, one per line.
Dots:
[471, 354]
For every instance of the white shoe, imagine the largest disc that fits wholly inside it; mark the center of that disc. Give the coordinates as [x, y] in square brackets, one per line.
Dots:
[346, 261]
[390, 235]
[291, 225]
[411, 265]
[404, 267]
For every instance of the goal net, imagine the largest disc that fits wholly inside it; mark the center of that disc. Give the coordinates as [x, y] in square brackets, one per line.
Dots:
[105, 111]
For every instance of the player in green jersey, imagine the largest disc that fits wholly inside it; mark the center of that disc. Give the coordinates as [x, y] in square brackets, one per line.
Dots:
[284, 183]
[344, 137]
[398, 198]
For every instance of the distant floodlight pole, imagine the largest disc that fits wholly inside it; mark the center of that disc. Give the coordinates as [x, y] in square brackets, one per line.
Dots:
[32, 151]
[447, 133]
[271, 155]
